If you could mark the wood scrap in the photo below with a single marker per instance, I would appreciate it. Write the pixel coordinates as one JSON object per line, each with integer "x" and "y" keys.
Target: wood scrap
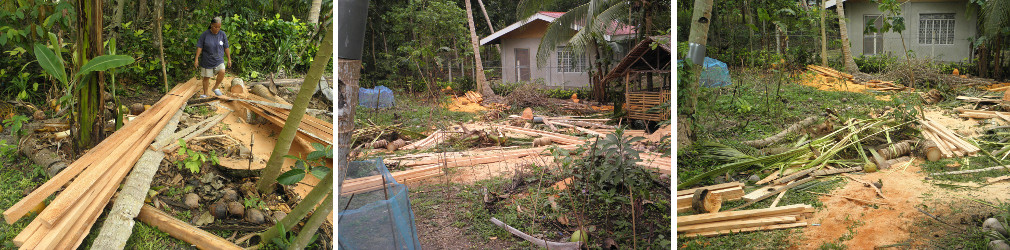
{"x": 835, "y": 171}
{"x": 997, "y": 179}
{"x": 538, "y": 242}
{"x": 777, "y": 199}
{"x": 777, "y": 191}
{"x": 182, "y": 230}
{"x": 737, "y": 224}
{"x": 930, "y": 150}
{"x": 850, "y": 198}
{"x": 172, "y": 146}
{"x": 796, "y": 175}
{"x": 866, "y": 183}
{"x": 895, "y": 150}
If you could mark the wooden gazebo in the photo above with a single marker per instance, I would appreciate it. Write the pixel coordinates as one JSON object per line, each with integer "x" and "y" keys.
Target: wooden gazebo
{"x": 646, "y": 75}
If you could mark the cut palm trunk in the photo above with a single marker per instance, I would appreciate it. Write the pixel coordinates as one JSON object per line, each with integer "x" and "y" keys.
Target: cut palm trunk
{"x": 706, "y": 202}
{"x": 781, "y": 135}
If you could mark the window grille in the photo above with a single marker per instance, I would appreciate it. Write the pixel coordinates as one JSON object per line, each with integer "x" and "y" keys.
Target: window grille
{"x": 569, "y": 62}
{"x": 936, "y": 28}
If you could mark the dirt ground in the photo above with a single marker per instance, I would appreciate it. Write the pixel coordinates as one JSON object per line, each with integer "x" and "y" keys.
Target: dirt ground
{"x": 436, "y": 230}
{"x": 905, "y": 188}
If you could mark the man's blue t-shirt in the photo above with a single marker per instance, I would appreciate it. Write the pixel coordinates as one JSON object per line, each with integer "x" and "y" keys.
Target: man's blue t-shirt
{"x": 213, "y": 48}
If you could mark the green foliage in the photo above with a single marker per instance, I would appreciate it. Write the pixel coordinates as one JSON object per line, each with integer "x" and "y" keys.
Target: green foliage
{"x": 285, "y": 238}
{"x": 15, "y": 123}
{"x": 193, "y": 159}
{"x": 874, "y": 63}
{"x": 314, "y": 163}
{"x": 254, "y": 202}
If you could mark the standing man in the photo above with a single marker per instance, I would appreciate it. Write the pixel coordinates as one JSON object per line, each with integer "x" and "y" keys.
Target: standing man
{"x": 210, "y": 50}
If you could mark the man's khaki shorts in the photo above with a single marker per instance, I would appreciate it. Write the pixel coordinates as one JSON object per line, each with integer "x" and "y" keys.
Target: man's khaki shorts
{"x": 211, "y": 72}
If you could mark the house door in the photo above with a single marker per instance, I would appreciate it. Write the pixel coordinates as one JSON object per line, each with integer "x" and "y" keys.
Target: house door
{"x": 873, "y": 42}
{"x": 522, "y": 64}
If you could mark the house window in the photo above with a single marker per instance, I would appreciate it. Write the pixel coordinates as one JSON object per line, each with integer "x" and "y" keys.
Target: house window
{"x": 936, "y": 28}
{"x": 873, "y": 43}
{"x": 569, "y": 61}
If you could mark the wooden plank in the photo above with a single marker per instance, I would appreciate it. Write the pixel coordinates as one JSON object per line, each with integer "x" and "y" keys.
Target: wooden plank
{"x": 940, "y": 144}
{"x": 183, "y": 231}
{"x": 736, "y": 224}
{"x": 172, "y": 146}
{"x": 749, "y": 229}
{"x": 743, "y": 214}
{"x": 762, "y": 191}
{"x": 946, "y": 133}
{"x": 174, "y": 138}
{"x": 22, "y": 207}
{"x": 710, "y": 188}
{"x": 728, "y": 194}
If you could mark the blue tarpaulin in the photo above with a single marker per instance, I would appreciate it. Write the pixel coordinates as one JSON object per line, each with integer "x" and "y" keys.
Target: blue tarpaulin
{"x": 714, "y": 74}
{"x": 379, "y": 97}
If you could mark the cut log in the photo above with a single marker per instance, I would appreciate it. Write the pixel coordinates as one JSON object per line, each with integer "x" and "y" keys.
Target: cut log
{"x": 895, "y": 150}
{"x": 706, "y": 202}
{"x": 778, "y": 137}
{"x": 183, "y": 231}
{"x": 929, "y": 149}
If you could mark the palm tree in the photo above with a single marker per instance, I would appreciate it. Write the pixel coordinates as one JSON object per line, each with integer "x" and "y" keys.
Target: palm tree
{"x": 88, "y": 117}
{"x": 482, "y": 85}
{"x": 595, "y": 18}
{"x": 850, "y": 64}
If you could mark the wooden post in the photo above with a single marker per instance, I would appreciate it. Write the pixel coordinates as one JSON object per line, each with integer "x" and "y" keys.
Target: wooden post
{"x": 183, "y": 231}
{"x": 347, "y": 88}
{"x": 824, "y": 35}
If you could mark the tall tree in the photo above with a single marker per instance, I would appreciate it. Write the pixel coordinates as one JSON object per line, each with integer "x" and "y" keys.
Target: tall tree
{"x": 850, "y": 64}
{"x": 287, "y": 135}
{"x": 88, "y": 118}
{"x": 314, "y": 11}
{"x": 117, "y": 19}
{"x": 824, "y": 35}
{"x": 700, "y": 19}
{"x": 159, "y": 10}
{"x": 482, "y": 84}
{"x": 142, "y": 10}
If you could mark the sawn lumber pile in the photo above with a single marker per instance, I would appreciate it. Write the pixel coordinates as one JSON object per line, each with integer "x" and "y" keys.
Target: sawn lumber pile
{"x": 310, "y": 130}
{"x": 65, "y": 222}
{"x": 829, "y": 72}
{"x": 729, "y": 191}
{"x": 743, "y": 221}
{"x": 947, "y": 141}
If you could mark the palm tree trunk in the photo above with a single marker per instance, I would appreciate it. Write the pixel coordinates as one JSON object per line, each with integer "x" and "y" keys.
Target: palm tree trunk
{"x": 312, "y": 225}
{"x": 482, "y": 84}
{"x": 142, "y": 11}
{"x": 699, "y": 35}
{"x": 270, "y": 172}
{"x": 850, "y": 64}
{"x": 89, "y": 96}
{"x": 317, "y": 194}
{"x": 824, "y": 37}
{"x": 489, "y": 26}
{"x": 117, "y": 18}
{"x": 314, "y": 11}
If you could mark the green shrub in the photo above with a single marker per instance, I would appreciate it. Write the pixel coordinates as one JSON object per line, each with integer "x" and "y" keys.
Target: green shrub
{"x": 874, "y": 63}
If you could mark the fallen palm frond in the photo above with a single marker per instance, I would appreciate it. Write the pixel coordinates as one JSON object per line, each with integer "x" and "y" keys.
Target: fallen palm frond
{"x": 807, "y": 155}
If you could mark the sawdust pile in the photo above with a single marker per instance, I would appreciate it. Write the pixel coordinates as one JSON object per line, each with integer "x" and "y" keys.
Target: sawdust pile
{"x": 461, "y": 104}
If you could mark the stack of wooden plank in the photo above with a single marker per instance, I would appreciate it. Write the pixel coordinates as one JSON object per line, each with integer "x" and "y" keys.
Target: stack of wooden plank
{"x": 829, "y": 72}
{"x": 655, "y": 162}
{"x": 743, "y": 221}
{"x": 947, "y": 141}
{"x": 883, "y": 85}
{"x": 474, "y": 97}
{"x": 982, "y": 114}
{"x": 96, "y": 176}
{"x": 729, "y": 191}
{"x": 310, "y": 130}
{"x": 555, "y": 137}
{"x": 431, "y": 167}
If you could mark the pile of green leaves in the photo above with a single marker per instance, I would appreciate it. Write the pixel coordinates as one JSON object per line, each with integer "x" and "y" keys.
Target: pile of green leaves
{"x": 194, "y": 159}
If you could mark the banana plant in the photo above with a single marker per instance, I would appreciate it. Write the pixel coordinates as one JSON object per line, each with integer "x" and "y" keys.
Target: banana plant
{"x": 54, "y": 66}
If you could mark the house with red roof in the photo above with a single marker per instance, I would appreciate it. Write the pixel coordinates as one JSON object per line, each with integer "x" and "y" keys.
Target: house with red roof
{"x": 564, "y": 69}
